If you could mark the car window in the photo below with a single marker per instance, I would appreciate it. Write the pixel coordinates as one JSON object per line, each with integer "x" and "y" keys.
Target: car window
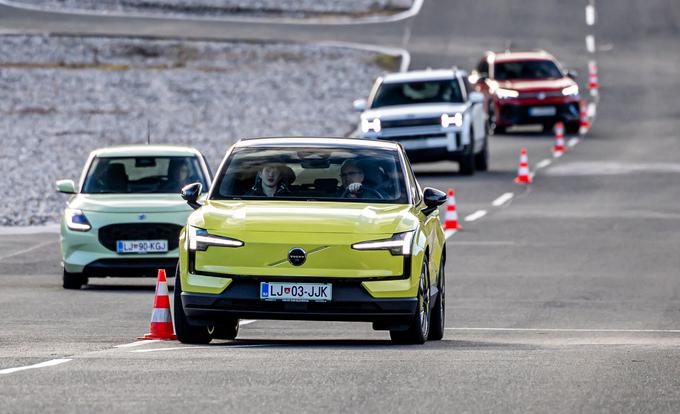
{"x": 409, "y": 93}
{"x": 320, "y": 174}
{"x": 142, "y": 174}
{"x": 528, "y": 69}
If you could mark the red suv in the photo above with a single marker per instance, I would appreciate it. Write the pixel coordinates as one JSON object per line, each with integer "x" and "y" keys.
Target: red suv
{"x": 525, "y": 88}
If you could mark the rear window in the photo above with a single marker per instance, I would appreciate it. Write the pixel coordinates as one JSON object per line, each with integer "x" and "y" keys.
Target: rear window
{"x": 409, "y": 93}
{"x": 528, "y": 69}
{"x": 315, "y": 174}
{"x": 142, "y": 174}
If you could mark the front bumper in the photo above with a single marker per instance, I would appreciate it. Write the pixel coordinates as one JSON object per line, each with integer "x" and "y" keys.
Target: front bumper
{"x": 351, "y": 302}
{"x": 517, "y": 112}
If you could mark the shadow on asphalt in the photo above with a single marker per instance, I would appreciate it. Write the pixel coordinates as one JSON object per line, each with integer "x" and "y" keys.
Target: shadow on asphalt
{"x": 368, "y": 343}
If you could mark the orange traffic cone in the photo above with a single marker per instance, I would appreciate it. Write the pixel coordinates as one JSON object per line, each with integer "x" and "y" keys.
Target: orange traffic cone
{"x": 585, "y": 123}
{"x": 161, "y": 321}
{"x": 523, "y": 176}
{"x": 559, "y": 147}
{"x": 451, "y": 218}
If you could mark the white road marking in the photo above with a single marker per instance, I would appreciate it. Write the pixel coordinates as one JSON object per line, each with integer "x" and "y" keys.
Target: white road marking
{"x": 476, "y": 215}
{"x": 246, "y": 321}
{"x": 14, "y": 230}
{"x": 565, "y": 330}
{"x": 558, "y": 154}
{"x": 502, "y": 199}
{"x": 543, "y": 163}
{"x": 30, "y": 249}
{"x": 449, "y": 233}
{"x": 137, "y": 343}
{"x": 590, "y": 43}
{"x": 590, "y": 15}
{"x": 45, "y": 364}
{"x": 216, "y": 347}
{"x": 572, "y": 142}
{"x": 581, "y": 168}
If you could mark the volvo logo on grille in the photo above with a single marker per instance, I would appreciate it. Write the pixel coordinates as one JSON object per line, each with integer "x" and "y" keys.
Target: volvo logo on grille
{"x": 297, "y": 256}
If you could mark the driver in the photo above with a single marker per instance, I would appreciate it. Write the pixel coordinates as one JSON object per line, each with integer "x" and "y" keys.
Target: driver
{"x": 269, "y": 181}
{"x": 178, "y": 175}
{"x": 352, "y": 175}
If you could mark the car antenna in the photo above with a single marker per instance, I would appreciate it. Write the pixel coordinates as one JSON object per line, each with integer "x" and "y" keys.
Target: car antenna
{"x": 148, "y": 132}
{"x": 508, "y": 46}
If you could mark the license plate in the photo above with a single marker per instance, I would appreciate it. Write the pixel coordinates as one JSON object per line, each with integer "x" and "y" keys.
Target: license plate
{"x": 142, "y": 246}
{"x": 296, "y": 292}
{"x": 542, "y": 111}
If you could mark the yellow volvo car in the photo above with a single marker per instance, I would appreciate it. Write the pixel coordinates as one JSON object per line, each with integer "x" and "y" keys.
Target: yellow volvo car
{"x": 312, "y": 229}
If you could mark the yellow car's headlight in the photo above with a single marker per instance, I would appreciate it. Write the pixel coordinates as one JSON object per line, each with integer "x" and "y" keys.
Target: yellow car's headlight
{"x": 398, "y": 245}
{"x": 199, "y": 240}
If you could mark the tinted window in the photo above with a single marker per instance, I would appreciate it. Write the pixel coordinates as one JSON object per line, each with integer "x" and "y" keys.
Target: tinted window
{"x": 528, "y": 69}
{"x": 483, "y": 67}
{"x": 142, "y": 174}
{"x": 390, "y": 94}
{"x": 323, "y": 174}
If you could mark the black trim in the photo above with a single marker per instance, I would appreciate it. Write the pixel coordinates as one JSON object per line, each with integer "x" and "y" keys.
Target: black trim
{"x": 351, "y": 302}
{"x": 405, "y": 274}
{"x": 129, "y": 267}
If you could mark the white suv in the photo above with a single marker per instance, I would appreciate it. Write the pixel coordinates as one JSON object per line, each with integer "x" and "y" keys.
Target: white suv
{"x": 434, "y": 114}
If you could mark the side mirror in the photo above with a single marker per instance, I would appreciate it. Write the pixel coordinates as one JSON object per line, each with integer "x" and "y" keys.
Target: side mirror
{"x": 360, "y": 105}
{"x": 190, "y": 193}
{"x": 66, "y": 186}
{"x": 476, "y": 97}
{"x": 572, "y": 74}
{"x": 433, "y": 198}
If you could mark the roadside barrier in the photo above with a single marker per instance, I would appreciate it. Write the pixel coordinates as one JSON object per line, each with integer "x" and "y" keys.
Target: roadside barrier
{"x": 585, "y": 122}
{"x": 161, "y": 320}
{"x": 593, "y": 82}
{"x": 559, "y": 147}
{"x": 451, "y": 218}
{"x": 523, "y": 176}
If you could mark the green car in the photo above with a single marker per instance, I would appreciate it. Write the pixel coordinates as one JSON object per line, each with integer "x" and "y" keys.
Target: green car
{"x": 312, "y": 229}
{"x": 125, "y": 216}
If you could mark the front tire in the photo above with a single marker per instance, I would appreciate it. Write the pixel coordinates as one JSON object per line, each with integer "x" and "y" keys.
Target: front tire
{"x": 74, "y": 280}
{"x": 438, "y": 318}
{"x": 419, "y": 329}
{"x": 482, "y": 159}
{"x": 466, "y": 166}
{"x": 187, "y": 334}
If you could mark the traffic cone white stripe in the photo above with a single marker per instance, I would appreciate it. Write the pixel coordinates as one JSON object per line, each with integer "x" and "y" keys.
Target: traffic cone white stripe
{"x": 162, "y": 288}
{"x": 161, "y": 315}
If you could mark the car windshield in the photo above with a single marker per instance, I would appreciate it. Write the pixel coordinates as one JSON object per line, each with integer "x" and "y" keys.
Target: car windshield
{"x": 409, "y": 93}
{"x": 317, "y": 174}
{"x": 142, "y": 174}
{"x": 527, "y": 69}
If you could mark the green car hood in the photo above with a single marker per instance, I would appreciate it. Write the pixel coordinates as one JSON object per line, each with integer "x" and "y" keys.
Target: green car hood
{"x": 230, "y": 216}
{"x": 130, "y": 203}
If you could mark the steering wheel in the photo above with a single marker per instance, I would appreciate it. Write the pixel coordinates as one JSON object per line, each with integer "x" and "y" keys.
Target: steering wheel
{"x": 345, "y": 194}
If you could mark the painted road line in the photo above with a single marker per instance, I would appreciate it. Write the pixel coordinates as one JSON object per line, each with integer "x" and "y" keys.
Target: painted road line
{"x": 20, "y": 230}
{"x": 590, "y": 43}
{"x": 675, "y": 331}
{"x": 246, "y": 321}
{"x": 30, "y": 249}
{"x": 449, "y": 233}
{"x": 216, "y": 347}
{"x": 137, "y": 343}
{"x": 45, "y": 364}
{"x": 591, "y": 17}
{"x": 558, "y": 154}
{"x": 572, "y": 142}
{"x": 543, "y": 163}
{"x": 502, "y": 199}
{"x": 476, "y": 215}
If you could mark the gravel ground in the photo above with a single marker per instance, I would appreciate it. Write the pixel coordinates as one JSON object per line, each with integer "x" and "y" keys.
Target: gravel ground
{"x": 65, "y": 96}
{"x": 288, "y": 8}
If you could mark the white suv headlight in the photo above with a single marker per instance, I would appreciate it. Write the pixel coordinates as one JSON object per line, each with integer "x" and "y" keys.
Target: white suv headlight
{"x": 368, "y": 126}
{"x": 200, "y": 240}
{"x": 398, "y": 245}
{"x": 449, "y": 120}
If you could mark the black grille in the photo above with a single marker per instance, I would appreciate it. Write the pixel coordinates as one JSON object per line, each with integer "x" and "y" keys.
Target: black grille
{"x": 399, "y": 123}
{"x": 109, "y": 235}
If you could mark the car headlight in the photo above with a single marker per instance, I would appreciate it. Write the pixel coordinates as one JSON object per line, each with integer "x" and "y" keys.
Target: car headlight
{"x": 398, "y": 245}
{"x": 200, "y": 240}
{"x": 570, "y": 90}
{"x": 368, "y": 126}
{"x": 76, "y": 220}
{"x": 455, "y": 120}
{"x": 506, "y": 93}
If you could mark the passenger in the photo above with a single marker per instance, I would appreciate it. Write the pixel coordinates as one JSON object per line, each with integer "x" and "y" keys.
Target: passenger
{"x": 270, "y": 181}
{"x": 178, "y": 175}
{"x": 352, "y": 175}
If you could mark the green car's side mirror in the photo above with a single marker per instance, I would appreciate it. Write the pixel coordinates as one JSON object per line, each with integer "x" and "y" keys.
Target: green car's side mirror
{"x": 433, "y": 198}
{"x": 66, "y": 186}
{"x": 191, "y": 193}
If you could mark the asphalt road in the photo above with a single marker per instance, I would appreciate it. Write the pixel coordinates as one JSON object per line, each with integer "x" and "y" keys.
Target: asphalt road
{"x": 565, "y": 299}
